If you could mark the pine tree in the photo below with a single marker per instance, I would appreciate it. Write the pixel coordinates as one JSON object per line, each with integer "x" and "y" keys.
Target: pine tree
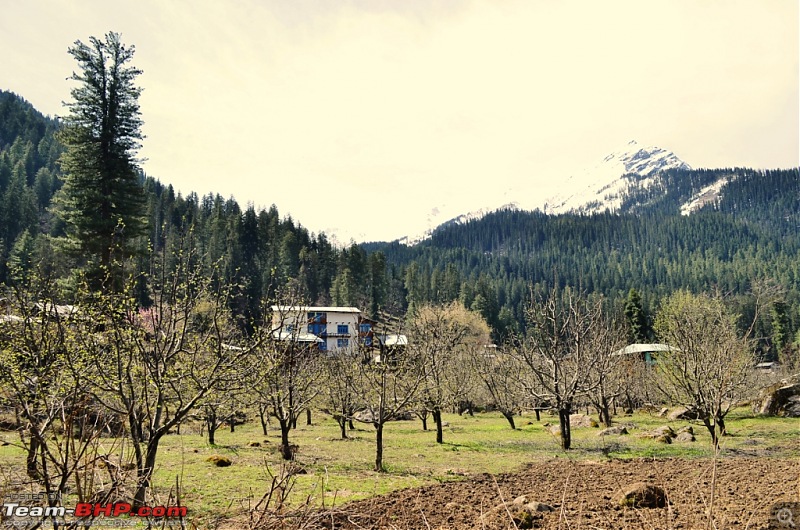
{"x": 102, "y": 200}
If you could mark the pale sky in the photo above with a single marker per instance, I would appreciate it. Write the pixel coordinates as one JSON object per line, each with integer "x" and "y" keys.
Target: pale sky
{"x": 358, "y": 117}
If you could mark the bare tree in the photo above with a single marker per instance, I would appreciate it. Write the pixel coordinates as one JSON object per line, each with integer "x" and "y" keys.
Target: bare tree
{"x": 155, "y": 366}
{"x": 340, "y": 394}
{"x": 710, "y": 366}
{"x": 607, "y": 377}
{"x": 499, "y": 373}
{"x": 388, "y": 383}
{"x": 443, "y": 338}
{"x": 560, "y": 351}
{"x": 59, "y": 424}
{"x": 286, "y": 374}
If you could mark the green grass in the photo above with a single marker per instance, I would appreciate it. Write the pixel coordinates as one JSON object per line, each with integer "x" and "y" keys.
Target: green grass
{"x": 338, "y": 470}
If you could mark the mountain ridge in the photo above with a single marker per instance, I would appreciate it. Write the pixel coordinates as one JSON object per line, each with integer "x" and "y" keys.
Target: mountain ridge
{"x": 592, "y": 190}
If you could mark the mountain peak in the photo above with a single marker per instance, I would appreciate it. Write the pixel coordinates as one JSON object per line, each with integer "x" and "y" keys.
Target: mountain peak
{"x": 601, "y": 187}
{"x": 594, "y": 189}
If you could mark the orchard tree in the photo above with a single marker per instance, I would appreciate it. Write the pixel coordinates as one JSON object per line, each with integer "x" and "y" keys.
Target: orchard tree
{"x": 444, "y": 338}
{"x": 710, "y": 366}
{"x": 155, "y": 366}
{"x": 568, "y": 339}
{"x": 286, "y": 375}
{"x": 102, "y": 199}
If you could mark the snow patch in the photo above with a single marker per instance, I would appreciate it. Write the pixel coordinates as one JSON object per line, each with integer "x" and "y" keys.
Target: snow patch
{"x": 707, "y": 195}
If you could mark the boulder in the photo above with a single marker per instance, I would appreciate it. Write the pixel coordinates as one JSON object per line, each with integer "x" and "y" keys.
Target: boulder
{"x": 581, "y": 420}
{"x": 664, "y": 430}
{"x": 642, "y": 495}
{"x": 683, "y": 413}
{"x": 685, "y": 436}
{"x": 781, "y": 399}
{"x": 618, "y": 429}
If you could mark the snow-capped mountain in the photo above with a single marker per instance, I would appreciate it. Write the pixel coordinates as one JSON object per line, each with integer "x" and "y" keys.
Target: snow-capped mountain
{"x": 596, "y": 189}
{"x": 602, "y": 187}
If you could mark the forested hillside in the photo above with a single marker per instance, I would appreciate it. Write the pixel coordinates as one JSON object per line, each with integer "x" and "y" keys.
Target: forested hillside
{"x": 490, "y": 265}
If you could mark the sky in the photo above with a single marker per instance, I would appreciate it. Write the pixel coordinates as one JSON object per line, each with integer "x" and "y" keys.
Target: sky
{"x": 360, "y": 117}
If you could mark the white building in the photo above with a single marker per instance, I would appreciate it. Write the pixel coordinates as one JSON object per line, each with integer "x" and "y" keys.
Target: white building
{"x": 337, "y": 327}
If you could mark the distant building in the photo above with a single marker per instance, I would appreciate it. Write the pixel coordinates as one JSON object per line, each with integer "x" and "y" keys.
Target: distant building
{"x": 336, "y": 327}
{"x": 645, "y": 352}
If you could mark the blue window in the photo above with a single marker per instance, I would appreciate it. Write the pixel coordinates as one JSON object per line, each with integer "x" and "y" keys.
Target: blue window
{"x": 323, "y": 346}
{"x": 317, "y": 318}
{"x": 364, "y": 327}
{"x": 367, "y": 341}
{"x": 342, "y": 343}
{"x": 342, "y": 329}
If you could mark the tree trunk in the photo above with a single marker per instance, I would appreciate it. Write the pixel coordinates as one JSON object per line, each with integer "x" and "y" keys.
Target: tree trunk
{"x": 720, "y": 421}
{"x": 342, "y": 421}
{"x": 32, "y": 458}
{"x": 563, "y": 421}
{"x": 604, "y": 411}
{"x": 379, "y": 447}
{"x": 286, "y": 449}
{"x": 264, "y": 417}
{"x": 423, "y": 416}
{"x": 510, "y": 417}
{"x": 145, "y": 473}
{"x": 212, "y": 430}
{"x": 232, "y": 422}
{"x": 437, "y": 418}
{"x": 712, "y": 430}
{"x": 308, "y": 416}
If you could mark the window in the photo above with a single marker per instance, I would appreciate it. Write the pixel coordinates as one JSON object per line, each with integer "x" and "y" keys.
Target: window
{"x": 367, "y": 341}
{"x": 342, "y": 329}
{"x": 317, "y": 318}
{"x": 323, "y": 346}
{"x": 365, "y": 327}
{"x": 342, "y": 343}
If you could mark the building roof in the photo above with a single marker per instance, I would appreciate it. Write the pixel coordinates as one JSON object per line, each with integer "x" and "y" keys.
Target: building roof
{"x": 284, "y": 335}
{"x": 644, "y": 348}
{"x": 394, "y": 340}
{"x": 315, "y": 309}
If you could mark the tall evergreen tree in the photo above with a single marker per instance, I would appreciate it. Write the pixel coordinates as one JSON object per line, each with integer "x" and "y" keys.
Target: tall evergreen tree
{"x": 639, "y": 329}
{"x": 102, "y": 201}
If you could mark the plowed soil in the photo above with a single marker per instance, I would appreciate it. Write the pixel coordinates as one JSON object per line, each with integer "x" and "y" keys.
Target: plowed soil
{"x": 582, "y": 495}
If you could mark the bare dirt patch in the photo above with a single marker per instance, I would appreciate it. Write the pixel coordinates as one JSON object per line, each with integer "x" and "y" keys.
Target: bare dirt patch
{"x": 583, "y": 497}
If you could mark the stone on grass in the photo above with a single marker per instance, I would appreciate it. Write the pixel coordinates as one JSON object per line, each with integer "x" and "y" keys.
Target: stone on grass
{"x": 618, "y": 429}
{"x": 684, "y": 436}
{"x": 683, "y": 413}
{"x": 781, "y": 399}
{"x": 219, "y": 460}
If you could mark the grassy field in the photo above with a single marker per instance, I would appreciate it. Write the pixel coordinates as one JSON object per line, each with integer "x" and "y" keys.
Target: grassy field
{"x": 337, "y": 471}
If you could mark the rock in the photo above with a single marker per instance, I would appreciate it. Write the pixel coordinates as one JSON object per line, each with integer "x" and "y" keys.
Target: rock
{"x": 684, "y": 436}
{"x": 619, "y": 429}
{"x": 663, "y": 439}
{"x": 642, "y": 495}
{"x": 781, "y": 399}
{"x": 663, "y": 412}
{"x": 683, "y": 413}
{"x": 581, "y": 420}
{"x": 254, "y": 444}
{"x": 685, "y": 428}
{"x": 660, "y": 432}
{"x": 219, "y": 460}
